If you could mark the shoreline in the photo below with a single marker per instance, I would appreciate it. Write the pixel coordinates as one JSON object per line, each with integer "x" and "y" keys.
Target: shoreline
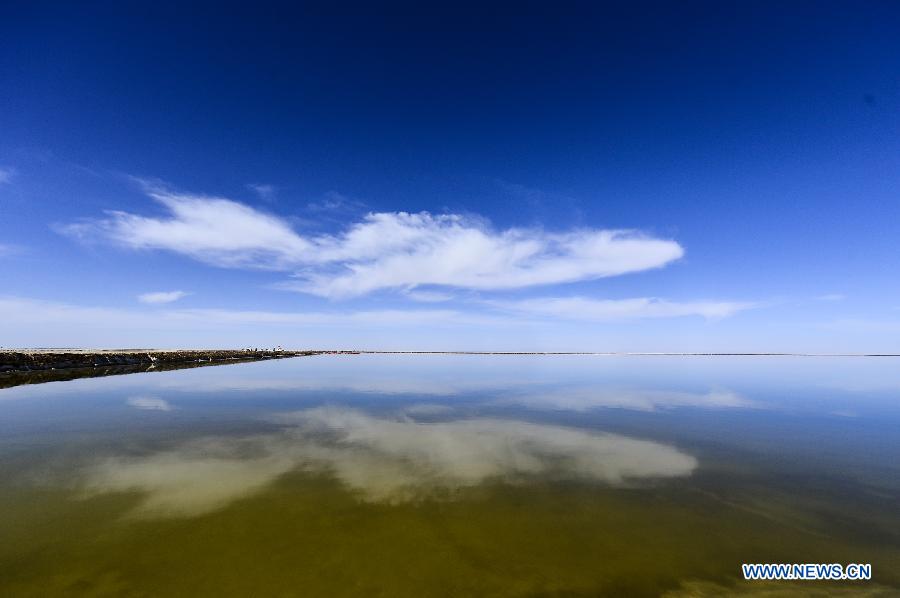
{"x": 20, "y": 367}
{"x": 43, "y": 360}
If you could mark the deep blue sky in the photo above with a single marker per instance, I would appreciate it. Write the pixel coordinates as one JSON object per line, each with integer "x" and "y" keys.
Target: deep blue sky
{"x": 762, "y": 138}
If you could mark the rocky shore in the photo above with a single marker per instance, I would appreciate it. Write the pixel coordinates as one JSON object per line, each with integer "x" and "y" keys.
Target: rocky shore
{"x": 12, "y": 361}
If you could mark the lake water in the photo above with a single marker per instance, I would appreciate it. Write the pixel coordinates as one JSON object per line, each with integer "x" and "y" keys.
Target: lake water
{"x": 439, "y": 475}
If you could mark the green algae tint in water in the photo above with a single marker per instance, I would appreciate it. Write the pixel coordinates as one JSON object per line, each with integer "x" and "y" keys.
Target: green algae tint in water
{"x": 439, "y": 475}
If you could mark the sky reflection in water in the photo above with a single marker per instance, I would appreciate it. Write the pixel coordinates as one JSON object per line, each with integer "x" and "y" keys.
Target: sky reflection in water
{"x": 613, "y": 462}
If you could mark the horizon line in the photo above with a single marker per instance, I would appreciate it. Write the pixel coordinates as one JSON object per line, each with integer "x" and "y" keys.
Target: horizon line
{"x": 465, "y": 352}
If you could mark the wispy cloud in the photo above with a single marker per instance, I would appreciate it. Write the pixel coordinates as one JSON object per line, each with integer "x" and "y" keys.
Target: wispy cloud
{"x": 25, "y": 310}
{"x": 265, "y": 191}
{"x": 7, "y": 250}
{"x": 54, "y": 318}
{"x": 384, "y": 317}
{"x": 831, "y": 297}
{"x": 581, "y": 308}
{"x": 31, "y": 322}
{"x": 162, "y": 297}
{"x": 6, "y": 174}
{"x": 214, "y": 230}
{"x": 429, "y": 296}
{"x": 334, "y": 202}
{"x": 389, "y": 250}
{"x": 529, "y": 195}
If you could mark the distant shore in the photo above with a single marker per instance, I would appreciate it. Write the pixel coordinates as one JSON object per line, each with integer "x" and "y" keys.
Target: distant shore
{"x": 41, "y": 359}
{"x": 35, "y": 366}
{"x": 38, "y": 360}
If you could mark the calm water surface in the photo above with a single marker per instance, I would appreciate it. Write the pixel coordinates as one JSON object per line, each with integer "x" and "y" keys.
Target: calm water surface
{"x": 379, "y": 475}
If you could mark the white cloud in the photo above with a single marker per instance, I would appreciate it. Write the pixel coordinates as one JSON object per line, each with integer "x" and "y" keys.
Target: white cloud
{"x": 396, "y": 250}
{"x": 264, "y": 191}
{"x": 581, "y": 308}
{"x": 162, "y": 296}
{"x": 214, "y": 230}
{"x": 6, "y": 174}
{"x": 429, "y": 296}
{"x": 149, "y": 403}
{"x": 406, "y": 250}
{"x": 381, "y": 460}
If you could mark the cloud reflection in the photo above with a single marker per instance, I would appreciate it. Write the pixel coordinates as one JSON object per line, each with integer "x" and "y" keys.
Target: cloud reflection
{"x": 380, "y": 460}
{"x": 508, "y": 392}
{"x": 583, "y": 398}
{"x": 149, "y": 403}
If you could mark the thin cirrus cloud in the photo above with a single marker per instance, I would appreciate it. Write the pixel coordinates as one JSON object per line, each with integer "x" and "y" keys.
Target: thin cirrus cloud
{"x": 162, "y": 297}
{"x": 9, "y": 250}
{"x": 23, "y": 310}
{"x": 67, "y": 323}
{"x": 6, "y": 174}
{"x": 581, "y": 308}
{"x": 263, "y": 190}
{"x": 388, "y": 250}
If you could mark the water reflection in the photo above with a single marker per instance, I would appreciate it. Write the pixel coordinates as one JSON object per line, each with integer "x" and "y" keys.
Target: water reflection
{"x": 576, "y": 383}
{"x": 417, "y": 475}
{"x": 149, "y": 403}
{"x": 583, "y": 398}
{"x": 379, "y": 459}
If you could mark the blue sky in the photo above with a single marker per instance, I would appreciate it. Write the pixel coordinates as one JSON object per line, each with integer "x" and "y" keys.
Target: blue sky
{"x": 662, "y": 177}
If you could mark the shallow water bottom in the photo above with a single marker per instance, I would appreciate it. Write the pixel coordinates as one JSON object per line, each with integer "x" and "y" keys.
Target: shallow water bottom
{"x": 306, "y": 535}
